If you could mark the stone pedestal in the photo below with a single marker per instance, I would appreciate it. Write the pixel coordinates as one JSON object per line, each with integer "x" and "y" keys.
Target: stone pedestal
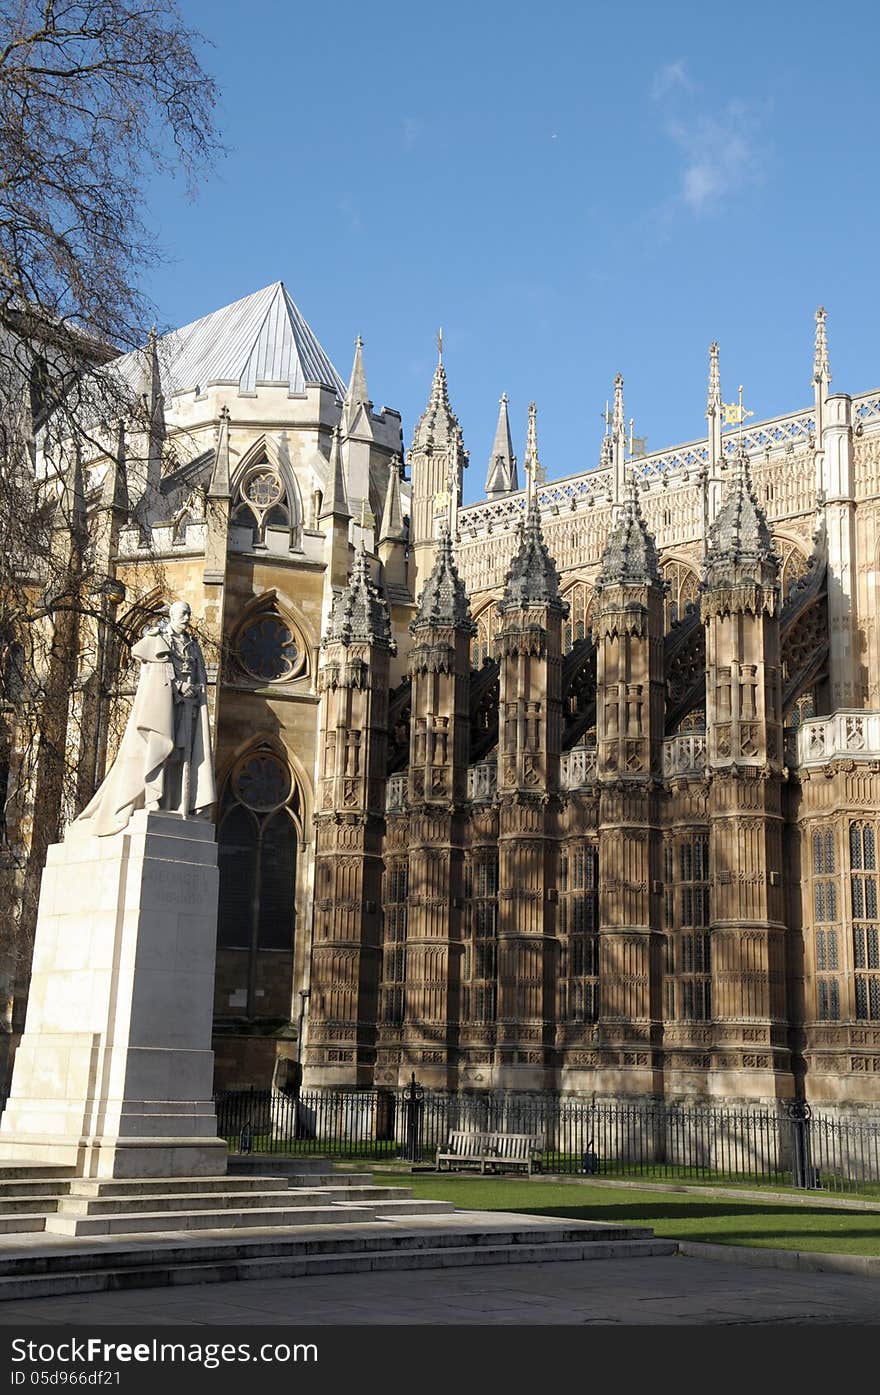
{"x": 114, "y": 1073}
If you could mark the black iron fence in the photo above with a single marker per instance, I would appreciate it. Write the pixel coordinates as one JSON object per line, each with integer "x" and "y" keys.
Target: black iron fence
{"x": 781, "y": 1146}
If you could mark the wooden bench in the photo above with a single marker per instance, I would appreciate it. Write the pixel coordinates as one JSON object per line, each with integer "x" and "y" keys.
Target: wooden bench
{"x": 497, "y": 1151}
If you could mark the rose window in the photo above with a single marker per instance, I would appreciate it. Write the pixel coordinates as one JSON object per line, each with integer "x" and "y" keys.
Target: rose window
{"x": 267, "y": 649}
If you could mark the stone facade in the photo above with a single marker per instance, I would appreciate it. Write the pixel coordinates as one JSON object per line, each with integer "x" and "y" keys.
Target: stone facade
{"x": 577, "y": 787}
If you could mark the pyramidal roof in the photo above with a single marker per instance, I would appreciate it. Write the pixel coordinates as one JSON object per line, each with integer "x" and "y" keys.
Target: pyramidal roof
{"x": 360, "y": 612}
{"x": 444, "y": 600}
{"x": 739, "y": 532}
{"x": 532, "y": 578}
{"x": 630, "y": 553}
{"x": 262, "y": 338}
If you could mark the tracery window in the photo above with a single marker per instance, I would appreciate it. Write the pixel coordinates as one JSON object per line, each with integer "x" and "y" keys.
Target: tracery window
{"x": 395, "y": 899}
{"x": 866, "y": 931}
{"x": 579, "y": 926}
{"x": 687, "y": 915}
{"x": 257, "y": 836}
{"x": 262, "y": 503}
{"x": 268, "y": 649}
{"x": 577, "y": 626}
{"x": 487, "y": 628}
{"x": 683, "y": 594}
{"x": 481, "y": 926}
{"x": 795, "y": 566}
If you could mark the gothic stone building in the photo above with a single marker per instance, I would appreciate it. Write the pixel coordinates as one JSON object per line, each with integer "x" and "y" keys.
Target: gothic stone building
{"x": 573, "y": 788}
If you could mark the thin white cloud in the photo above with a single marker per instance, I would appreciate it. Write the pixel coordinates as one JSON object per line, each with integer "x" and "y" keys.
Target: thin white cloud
{"x": 721, "y": 155}
{"x": 669, "y": 77}
{"x": 721, "y": 149}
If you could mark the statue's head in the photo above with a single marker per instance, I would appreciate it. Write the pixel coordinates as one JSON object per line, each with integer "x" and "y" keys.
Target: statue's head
{"x": 179, "y": 616}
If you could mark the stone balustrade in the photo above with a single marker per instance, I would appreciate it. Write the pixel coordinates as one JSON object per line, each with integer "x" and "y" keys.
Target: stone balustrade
{"x": 578, "y": 767}
{"x": 482, "y": 781}
{"x": 854, "y": 735}
{"x": 395, "y": 793}
{"x": 684, "y": 755}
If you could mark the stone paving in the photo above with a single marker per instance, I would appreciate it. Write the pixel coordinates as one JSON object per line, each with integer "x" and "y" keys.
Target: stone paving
{"x": 653, "y": 1291}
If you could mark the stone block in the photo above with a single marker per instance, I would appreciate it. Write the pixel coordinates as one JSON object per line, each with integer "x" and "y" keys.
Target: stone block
{"x": 114, "y": 1073}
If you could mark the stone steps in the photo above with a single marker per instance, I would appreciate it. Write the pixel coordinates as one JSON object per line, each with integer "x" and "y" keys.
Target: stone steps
{"x": 29, "y": 1205}
{"x": 173, "y": 1186}
{"x": 157, "y": 1222}
{"x": 29, "y": 1187}
{"x": 158, "y": 1263}
{"x": 171, "y": 1201}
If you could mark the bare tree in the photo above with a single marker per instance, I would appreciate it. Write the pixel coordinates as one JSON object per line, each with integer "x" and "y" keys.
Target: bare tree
{"x": 96, "y": 97}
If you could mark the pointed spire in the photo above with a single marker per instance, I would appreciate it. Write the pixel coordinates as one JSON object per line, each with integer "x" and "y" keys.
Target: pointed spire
{"x": 392, "y": 528}
{"x": 630, "y": 554}
{"x": 606, "y": 454}
{"x": 618, "y": 420}
{"x": 821, "y": 362}
{"x": 219, "y": 486}
{"x": 618, "y": 443}
{"x": 149, "y": 386}
{"x": 73, "y": 497}
{"x": 335, "y": 501}
{"x": 438, "y": 424}
{"x": 444, "y": 600}
{"x": 501, "y": 475}
{"x": 532, "y": 578}
{"x": 360, "y": 612}
{"x": 114, "y": 490}
{"x": 739, "y": 532}
{"x": 713, "y": 399}
{"x": 356, "y": 395}
{"x": 531, "y": 463}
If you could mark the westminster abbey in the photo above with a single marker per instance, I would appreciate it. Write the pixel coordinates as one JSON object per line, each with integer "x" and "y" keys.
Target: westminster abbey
{"x": 575, "y": 788}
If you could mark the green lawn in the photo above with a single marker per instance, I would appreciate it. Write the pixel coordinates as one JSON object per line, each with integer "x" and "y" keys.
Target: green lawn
{"x": 676, "y": 1214}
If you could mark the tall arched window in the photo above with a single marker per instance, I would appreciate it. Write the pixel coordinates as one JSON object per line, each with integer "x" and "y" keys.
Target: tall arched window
{"x": 262, "y": 503}
{"x": 257, "y": 835}
{"x": 487, "y": 628}
{"x": 683, "y": 594}
{"x": 577, "y": 626}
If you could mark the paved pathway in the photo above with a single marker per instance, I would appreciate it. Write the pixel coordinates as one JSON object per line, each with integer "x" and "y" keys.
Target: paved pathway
{"x": 657, "y": 1291}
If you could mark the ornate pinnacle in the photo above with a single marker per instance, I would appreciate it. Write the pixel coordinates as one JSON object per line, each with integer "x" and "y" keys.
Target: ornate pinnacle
{"x": 360, "y": 613}
{"x": 618, "y": 420}
{"x": 821, "y": 362}
{"x": 630, "y": 554}
{"x": 531, "y": 463}
{"x": 444, "y": 600}
{"x": 713, "y": 401}
{"x": 740, "y": 531}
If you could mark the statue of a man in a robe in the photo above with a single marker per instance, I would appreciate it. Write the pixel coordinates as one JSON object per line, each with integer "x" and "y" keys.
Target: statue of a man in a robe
{"x": 164, "y": 758}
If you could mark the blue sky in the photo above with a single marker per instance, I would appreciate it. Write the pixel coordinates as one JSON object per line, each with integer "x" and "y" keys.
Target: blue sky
{"x": 571, "y": 190}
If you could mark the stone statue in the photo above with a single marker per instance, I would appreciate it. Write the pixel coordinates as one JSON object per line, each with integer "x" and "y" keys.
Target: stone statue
{"x": 164, "y": 758}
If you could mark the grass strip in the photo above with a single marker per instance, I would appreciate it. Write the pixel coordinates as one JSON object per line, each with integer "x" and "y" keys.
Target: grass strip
{"x": 670, "y": 1214}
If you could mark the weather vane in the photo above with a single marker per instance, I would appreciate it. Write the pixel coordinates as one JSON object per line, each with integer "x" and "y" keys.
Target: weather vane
{"x": 735, "y": 413}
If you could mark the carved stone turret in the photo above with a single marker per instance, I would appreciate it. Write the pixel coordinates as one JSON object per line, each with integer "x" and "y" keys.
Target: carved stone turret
{"x": 630, "y": 709}
{"x": 529, "y": 652}
{"x": 350, "y": 824}
{"x": 740, "y": 610}
{"x": 439, "y": 666}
